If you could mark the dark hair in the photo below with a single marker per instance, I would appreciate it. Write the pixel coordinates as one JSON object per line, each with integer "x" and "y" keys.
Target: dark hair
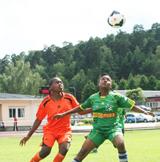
{"x": 52, "y": 80}
{"x": 103, "y": 75}
{"x": 46, "y": 89}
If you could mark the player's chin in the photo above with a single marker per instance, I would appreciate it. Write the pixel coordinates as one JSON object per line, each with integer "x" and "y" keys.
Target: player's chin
{"x": 108, "y": 86}
{"x": 60, "y": 89}
{"x": 105, "y": 87}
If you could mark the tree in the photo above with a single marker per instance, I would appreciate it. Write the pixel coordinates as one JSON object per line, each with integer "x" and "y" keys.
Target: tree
{"x": 3, "y": 63}
{"x": 143, "y": 82}
{"x": 114, "y": 84}
{"x": 131, "y": 82}
{"x": 122, "y": 84}
{"x": 136, "y": 94}
{"x": 156, "y": 62}
{"x": 59, "y": 67}
{"x": 18, "y": 78}
{"x": 88, "y": 89}
{"x": 158, "y": 85}
{"x": 152, "y": 82}
{"x": 78, "y": 81}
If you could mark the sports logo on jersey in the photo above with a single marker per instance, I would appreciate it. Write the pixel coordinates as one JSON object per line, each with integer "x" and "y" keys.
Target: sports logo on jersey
{"x": 108, "y": 107}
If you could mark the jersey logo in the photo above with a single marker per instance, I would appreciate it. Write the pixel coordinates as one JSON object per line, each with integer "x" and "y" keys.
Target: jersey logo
{"x": 108, "y": 107}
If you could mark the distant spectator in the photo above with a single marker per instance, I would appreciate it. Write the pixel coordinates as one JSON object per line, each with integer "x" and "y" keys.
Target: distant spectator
{"x": 2, "y": 127}
{"x": 15, "y": 127}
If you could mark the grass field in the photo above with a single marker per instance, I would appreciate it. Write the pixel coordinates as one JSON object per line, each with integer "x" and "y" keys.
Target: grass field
{"x": 142, "y": 146}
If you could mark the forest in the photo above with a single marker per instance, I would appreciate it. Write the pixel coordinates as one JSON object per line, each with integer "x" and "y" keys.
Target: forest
{"x": 131, "y": 59}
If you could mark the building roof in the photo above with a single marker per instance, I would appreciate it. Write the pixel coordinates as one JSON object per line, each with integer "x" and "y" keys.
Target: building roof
{"x": 146, "y": 93}
{"x": 10, "y": 96}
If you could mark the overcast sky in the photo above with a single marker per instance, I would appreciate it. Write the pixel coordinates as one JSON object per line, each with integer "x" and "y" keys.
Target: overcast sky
{"x": 32, "y": 24}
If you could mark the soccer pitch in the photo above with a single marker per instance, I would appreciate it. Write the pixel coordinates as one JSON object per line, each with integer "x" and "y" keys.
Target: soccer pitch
{"x": 142, "y": 146}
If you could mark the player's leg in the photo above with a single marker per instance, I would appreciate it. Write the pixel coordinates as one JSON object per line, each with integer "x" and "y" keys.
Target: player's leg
{"x": 47, "y": 143}
{"x": 118, "y": 141}
{"x": 95, "y": 150}
{"x": 64, "y": 141}
{"x": 87, "y": 146}
{"x": 63, "y": 149}
{"x": 16, "y": 127}
{"x": 45, "y": 151}
{"x": 93, "y": 140}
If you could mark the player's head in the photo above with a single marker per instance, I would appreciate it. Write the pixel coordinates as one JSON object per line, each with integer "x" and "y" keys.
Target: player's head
{"x": 56, "y": 85}
{"x": 105, "y": 81}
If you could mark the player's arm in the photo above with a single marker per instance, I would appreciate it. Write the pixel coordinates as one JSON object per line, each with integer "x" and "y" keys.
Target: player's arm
{"x": 36, "y": 124}
{"x": 72, "y": 111}
{"x": 137, "y": 109}
{"x": 127, "y": 102}
{"x": 86, "y": 111}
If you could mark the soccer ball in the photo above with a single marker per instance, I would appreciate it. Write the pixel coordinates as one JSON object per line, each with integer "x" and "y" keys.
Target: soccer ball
{"x": 116, "y": 19}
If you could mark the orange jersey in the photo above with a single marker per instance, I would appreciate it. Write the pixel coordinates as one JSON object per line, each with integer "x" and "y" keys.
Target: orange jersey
{"x": 50, "y": 107}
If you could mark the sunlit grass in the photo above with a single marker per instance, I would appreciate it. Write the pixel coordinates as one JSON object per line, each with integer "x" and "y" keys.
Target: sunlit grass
{"x": 142, "y": 146}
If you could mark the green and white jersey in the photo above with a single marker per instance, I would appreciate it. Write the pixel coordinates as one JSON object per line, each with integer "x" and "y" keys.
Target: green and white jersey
{"x": 105, "y": 109}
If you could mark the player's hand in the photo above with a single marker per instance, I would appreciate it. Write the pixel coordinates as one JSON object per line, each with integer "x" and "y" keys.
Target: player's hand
{"x": 23, "y": 141}
{"x": 57, "y": 116}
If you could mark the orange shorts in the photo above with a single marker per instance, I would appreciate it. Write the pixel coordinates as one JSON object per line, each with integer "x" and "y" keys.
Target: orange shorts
{"x": 49, "y": 138}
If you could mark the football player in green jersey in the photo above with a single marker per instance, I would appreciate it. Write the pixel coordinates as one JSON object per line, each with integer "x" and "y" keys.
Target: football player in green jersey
{"x": 105, "y": 106}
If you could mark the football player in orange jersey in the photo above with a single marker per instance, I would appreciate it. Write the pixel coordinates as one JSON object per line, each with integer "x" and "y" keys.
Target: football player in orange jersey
{"x": 56, "y": 129}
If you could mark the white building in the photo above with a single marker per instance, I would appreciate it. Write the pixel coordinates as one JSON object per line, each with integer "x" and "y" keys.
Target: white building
{"x": 23, "y": 107}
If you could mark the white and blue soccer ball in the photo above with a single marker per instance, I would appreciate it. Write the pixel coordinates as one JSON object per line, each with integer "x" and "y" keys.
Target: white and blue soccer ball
{"x": 116, "y": 19}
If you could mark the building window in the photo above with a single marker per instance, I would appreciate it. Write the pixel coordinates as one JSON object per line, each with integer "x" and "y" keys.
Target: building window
{"x": 12, "y": 113}
{"x": 16, "y": 112}
{"x": 152, "y": 104}
{"x": 20, "y": 112}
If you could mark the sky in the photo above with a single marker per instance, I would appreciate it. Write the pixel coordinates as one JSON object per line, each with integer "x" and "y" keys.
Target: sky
{"x": 34, "y": 24}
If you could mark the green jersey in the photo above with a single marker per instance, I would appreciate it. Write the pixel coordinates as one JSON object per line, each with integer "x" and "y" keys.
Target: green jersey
{"x": 106, "y": 109}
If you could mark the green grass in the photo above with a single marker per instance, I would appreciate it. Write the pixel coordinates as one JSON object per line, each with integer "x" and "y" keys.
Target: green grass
{"x": 142, "y": 146}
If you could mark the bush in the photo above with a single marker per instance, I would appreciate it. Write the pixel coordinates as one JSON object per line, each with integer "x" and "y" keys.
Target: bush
{"x": 87, "y": 120}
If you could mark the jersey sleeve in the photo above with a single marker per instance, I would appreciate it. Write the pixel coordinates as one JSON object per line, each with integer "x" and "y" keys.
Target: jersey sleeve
{"x": 86, "y": 104}
{"x": 72, "y": 100}
{"x": 41, "y": 113}
{"x": 75, "y": 103}
{"x": 125, "y": 102}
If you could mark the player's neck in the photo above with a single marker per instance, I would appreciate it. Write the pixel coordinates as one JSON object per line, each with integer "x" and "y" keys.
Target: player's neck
{"x": 104, "y": 92}
{"x": 56, "y": 95}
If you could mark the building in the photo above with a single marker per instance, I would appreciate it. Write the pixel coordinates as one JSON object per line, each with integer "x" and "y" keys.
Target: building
{"x": 23, "y": 107}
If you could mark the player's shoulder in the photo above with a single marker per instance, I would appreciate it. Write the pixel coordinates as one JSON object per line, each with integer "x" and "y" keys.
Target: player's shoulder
{"x": 67, "y": 95}
{"x": 115, "y": 93}
{"x": 46, "y": 100}
{"x": 94, "y": 95}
